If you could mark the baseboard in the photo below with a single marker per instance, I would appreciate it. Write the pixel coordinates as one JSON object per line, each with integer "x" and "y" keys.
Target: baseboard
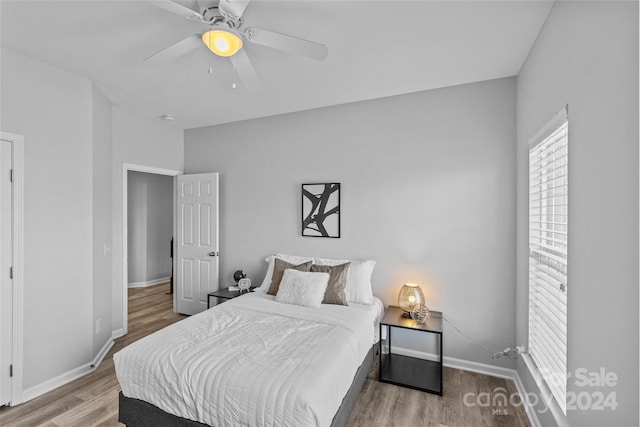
{"x": 67, "y": 377}
{"x": 465, "y": 365}
{"x": 149, "y": 283}
{"x": 480, "y": 368}
{"x": 117, "y": 334}
{"x": 102, "y": 353}
{"x": 544, "y": 392}
{"x": 56, "y": 382}
{"x": 530, "y": 410}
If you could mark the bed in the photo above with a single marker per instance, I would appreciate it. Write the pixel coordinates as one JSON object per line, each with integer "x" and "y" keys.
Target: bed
{"x": 251, "y": 361}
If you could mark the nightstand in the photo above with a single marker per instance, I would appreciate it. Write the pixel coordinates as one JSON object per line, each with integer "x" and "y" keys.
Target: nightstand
{"x": 406, "y": 371}
{"x": 225, "y": 294}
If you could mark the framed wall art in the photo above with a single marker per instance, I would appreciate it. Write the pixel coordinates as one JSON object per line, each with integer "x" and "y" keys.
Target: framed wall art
{"x": 321, "y": 210}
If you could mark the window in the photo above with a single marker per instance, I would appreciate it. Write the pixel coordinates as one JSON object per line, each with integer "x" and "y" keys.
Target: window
{"x": 548, "y": 227}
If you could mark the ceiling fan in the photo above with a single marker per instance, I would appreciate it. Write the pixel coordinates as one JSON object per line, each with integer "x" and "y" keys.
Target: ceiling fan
{"x": 226, "y": 35}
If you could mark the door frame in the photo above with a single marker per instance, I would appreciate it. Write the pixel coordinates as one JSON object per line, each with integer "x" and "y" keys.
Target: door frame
{"x": 126, "y": 167}
{"x": 17, "y": 142}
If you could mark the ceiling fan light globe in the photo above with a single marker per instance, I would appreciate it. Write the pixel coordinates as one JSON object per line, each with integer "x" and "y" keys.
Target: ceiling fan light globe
{"x": 222, "y": 42}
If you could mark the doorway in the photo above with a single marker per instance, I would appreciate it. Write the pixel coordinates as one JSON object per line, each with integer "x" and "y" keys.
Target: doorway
{"x": 150, "y": 221}
{"x": 11, "y": 267}
{"x": 127, "y": 229}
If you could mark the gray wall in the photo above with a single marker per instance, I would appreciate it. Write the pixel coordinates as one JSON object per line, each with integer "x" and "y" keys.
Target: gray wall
{"x": 102, "y": 219}
{"x": 75, "y": 143}
{"x": 140, "y": 141}
{"x": 428, "y": 191}
{"x": 150, "y": 211}
{"x": 586, "y": 56}
{"x": 137, "y": 227}
{"x": 54, "y": 115}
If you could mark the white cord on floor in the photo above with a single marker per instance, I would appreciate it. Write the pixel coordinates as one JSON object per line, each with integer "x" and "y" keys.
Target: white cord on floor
{"x": 512, "y": 353}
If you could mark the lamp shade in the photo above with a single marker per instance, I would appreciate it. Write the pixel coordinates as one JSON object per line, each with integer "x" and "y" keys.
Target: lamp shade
{"x": 222, "y": 41}
{"x": 410, "y": 295}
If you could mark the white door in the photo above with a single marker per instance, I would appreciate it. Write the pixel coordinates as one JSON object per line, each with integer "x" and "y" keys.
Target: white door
{"x": 6, "y": 260}
{"x": 196, "y": 241}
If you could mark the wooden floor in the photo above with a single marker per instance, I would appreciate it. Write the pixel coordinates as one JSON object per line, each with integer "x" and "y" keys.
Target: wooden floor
{"x": 93, "y": 399}
{"x": 385, "y": 405}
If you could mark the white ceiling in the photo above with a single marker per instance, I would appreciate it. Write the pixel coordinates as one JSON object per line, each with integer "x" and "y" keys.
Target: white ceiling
{"x": 376, "y": 49}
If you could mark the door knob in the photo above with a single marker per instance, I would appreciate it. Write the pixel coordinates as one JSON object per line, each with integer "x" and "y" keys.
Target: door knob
{"x": 213, "y": 253}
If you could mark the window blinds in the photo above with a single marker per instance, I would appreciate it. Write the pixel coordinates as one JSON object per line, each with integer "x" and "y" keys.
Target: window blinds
{"x": 548, "y": 226}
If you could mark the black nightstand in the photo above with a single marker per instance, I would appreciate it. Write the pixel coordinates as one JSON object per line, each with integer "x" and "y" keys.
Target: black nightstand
{"x": 225, "y": 294}
{"x": 420, "y": 374}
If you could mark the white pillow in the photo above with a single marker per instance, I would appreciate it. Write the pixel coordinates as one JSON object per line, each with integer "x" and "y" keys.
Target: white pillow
{"x": 358, "y": 278}
{"x": 302, "y": 288}
{"x": 291, "y": 259}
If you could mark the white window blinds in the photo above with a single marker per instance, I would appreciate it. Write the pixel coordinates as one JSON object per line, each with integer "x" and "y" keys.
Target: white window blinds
{"x": 548, "y": 226}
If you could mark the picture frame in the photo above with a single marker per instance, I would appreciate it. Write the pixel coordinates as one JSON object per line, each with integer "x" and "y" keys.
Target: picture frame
{"x": 321, "y": 210}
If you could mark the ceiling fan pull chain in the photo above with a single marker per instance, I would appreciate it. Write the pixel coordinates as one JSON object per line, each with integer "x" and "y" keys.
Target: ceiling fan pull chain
{"x": 233, "y": 78}
{"x": 209, "y": 56}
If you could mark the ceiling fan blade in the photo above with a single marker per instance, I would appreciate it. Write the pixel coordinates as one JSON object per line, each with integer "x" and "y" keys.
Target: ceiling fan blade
{"x": 176, "y": 50}
{"x": 178, "y": 9}
{"x": 233, "y": 8}
{"x": 245, "y": 70}
{"x": 287, "y": 43}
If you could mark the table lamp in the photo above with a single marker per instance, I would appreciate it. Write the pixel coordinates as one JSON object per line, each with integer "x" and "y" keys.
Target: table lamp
{"x": 410, "y": 295}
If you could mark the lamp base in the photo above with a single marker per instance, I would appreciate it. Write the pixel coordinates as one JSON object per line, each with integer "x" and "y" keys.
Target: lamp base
{"x": 406, "y": 314}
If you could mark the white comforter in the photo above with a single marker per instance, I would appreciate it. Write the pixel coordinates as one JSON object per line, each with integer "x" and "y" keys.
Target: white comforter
{"x": 251, "y": 362}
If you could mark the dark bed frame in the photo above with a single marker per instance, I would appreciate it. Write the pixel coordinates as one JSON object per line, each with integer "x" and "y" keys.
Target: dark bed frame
{"x": 138, "y": 413}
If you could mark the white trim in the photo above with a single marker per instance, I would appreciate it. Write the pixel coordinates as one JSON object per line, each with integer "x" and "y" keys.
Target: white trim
{"x": 17, "y": 142}
{"x": 465, "y": 365}
{"x": 547, "y": 397}
{"x": 56, "y": 382}
{"x": 150, "y": 169}
{"x": 102, "y": 353}
{"x": 174, "y": 267}
{"x": 149, "y": 282}
{"x": 126, "y": 167}
{"x": 117, "y": 334}
{"x": 529, "y": 409}
{"x": 549, "y": 127}
{"x": 67, "y": 377}
{"x": 480, "y": 368}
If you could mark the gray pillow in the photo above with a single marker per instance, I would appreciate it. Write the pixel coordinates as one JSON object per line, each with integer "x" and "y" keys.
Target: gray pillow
{"x": 279, "y": 266}
{"x": 336, "y": 292}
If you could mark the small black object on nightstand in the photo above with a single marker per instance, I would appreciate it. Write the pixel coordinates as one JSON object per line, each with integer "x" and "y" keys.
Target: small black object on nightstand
{"x": 406, "y": 371}
{"x": 239, "y": 274}
{"x": 224, "y": 294}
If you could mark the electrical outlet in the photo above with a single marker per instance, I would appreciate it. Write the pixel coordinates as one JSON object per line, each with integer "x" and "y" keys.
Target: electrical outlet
{"x": 97, "y": 326}
{"x": 107, "y": 250}
{"x": 521, "y": 349}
